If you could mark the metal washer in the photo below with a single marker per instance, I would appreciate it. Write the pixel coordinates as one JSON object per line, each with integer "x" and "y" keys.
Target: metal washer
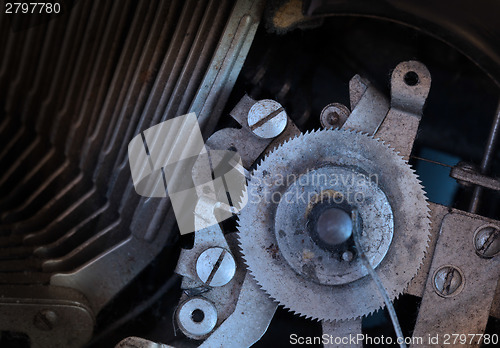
{"x": 187, "y": 323}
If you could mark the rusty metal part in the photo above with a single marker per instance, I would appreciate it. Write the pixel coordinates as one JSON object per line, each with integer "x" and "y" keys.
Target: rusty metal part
{"x": 223, "y": 296}
{"x": 288, "y": 15}
{"x": 239, "y": 301}
{"x": 495, "y": 306}
{"x": 235, "y": 301}
{"x": 258, "y": 236}
{"x": 410, "y": 84}
{"x": 334, "y": 115}
{"x": 239, "y": 294}
{"x": 369, "y": 106}
{"x": 467, "y": 310}
{"x": 243, "y": 140}
{"x": 417, "y": 285}
{"x": 466, "y": 174}
{"x": 357, "y": 88}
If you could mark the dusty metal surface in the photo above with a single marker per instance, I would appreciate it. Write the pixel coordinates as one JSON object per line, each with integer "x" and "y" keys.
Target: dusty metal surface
{"x": 410, "y": 84}
{"x": 334, "y": 115}
{"x": 196, "y": 317}
{"x": 215, "y": 266}
{"x": 369, "y": 106}
{"x": 417, "y": 284}
{"x": 238, "y": 300}
{"x": 465, "y": 307}
{"x": 466, "y": 174}
{"x": 253, "y": 308}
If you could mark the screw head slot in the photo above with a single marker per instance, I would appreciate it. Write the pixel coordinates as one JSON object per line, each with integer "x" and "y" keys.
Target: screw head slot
{"x": 448, "y": 281}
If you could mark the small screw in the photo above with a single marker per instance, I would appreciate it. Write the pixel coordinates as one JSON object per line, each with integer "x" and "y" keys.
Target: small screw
{"x": 215, "y": 266}
{"x": 448, "y": 281}
{"x": 334, "y": 115}
{"x": 347, "y": 256}
{"x": 267, "y": 118}
{"x": 487, "y": 241}
{"x": 45, "y": 319}
{"x": 468, "y": 167}
{"x": 333, "y": 118}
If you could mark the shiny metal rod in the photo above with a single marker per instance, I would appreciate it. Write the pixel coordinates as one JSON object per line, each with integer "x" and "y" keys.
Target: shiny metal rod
{"x": 486, "y": 163}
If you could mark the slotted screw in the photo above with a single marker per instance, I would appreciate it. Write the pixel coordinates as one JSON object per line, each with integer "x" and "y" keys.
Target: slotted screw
{"x": 448, "y": 281}
{"x": 215, "y": 266}
{"x": 487, "y": 241}
{"x": 267, "y": 118}
{"x": 45, "y": 319}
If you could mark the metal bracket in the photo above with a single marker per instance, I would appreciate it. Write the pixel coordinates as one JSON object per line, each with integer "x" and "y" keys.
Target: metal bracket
{"x": 465, "y": 173}
{"x": 460, "y": 283}
{"x": 410, "y": 85}
{"x": 369, "y": 106}
{"x": 55, "y": 313}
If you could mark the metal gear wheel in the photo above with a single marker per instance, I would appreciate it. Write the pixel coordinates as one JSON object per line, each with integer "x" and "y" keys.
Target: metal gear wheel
{"x": 287, "y": 259}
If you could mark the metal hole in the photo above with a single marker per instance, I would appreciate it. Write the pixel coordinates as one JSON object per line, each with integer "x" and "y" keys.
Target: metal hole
{"x": 411, "y": 78}
{"x": 197, "y": 315}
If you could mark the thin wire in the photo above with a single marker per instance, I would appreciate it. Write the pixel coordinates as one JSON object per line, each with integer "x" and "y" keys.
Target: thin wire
{"x": 376, "y": 279}
{"x": 431, "y": 161}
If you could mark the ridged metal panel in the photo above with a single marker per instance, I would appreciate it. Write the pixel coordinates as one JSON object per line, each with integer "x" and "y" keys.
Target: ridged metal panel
{"x": 73, "y": 92}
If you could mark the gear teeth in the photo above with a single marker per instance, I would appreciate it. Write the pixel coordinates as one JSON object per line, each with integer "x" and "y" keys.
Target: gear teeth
{"x": 244, "y": 222}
